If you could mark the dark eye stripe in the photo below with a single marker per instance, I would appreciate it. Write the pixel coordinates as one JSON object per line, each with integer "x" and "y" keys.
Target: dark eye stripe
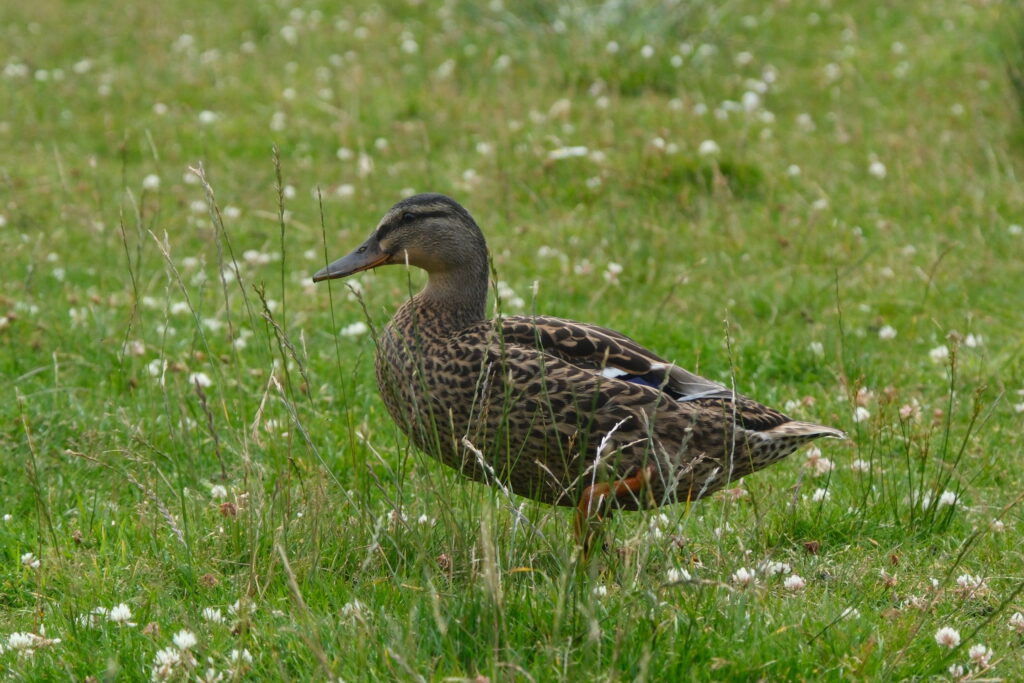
{"x": 402, "y": 220}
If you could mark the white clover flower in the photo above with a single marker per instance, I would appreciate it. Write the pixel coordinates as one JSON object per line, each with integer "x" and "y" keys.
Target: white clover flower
{"x": 353, "y": 610}
{"x": 156, "y": 367}
{"x": 956, "y": 670}
{"x": 750, "y": 100}
{"x": 356, "y": 329}
{"x": 151, "y": 182}
{"x": 612, "y": 47}
{"x": 887, "y": 332}
{"x": 239, "y": 606}
{"x": 200, "y": 378}
{"x": 242, "y": 655}
{"x": 21, "y": 641}
{"x": 860, "y": 465}
{"x": 568, "y": 152}
{"x": 793, "y": 170}
{"x": 211, "y": 675}
{"x": 877, "y": 169}
{"x": 817, "y": 348}
{"x": 861, "y": 414}
{"x": 599, "y": 591}
{"x": 773, "y": 568}
{"x": 980, "y": 655}
{"x": 30, "y": 560}
{"x": 817, "y": 463}
{"x": 646, "y": 51}
{"x": 821, "y": 495}
{"x": 972, "y": 341}
{"x": 206, "y": 117}
{"x": 947, "y": 498}
{"x": 969, "y": 584}
{"x": 120, "y": 614}
{"x": 218, "y": 492}
{"x": 185, "y": 639}
{"x": 709, "y": 148}
{"x": 794, "y": 583}
{"x": 947, "y": 637}
{"x": 164, "y": 662}
{"x": 1015, "y": 229}
{"x": 744, "y": 576}
{"x": 1016, "y": 622}
{"x": 675, "y": 575}
{"x": 612, "y": 271}
{"x": 939, "y": 354}
{"x": 213, "y": 615}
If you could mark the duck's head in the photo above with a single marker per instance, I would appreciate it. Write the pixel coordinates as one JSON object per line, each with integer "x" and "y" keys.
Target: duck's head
{"x": 430, "y": 231}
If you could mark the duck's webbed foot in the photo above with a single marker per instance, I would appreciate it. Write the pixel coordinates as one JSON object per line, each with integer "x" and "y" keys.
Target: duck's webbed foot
{"x": 596, "y": 505}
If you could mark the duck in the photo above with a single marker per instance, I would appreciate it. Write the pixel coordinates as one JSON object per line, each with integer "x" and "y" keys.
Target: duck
{"x": 555, "y": 410}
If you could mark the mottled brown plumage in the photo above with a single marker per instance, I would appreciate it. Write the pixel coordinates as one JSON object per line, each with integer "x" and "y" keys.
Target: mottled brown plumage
{"x": 555, "y": 410}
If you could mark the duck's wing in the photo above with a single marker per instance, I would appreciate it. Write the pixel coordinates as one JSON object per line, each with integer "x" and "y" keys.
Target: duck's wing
{"x": 609, "y": 353}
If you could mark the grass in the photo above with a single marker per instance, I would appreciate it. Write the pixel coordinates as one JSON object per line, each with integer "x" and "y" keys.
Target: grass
{"x": 282, "y": 498}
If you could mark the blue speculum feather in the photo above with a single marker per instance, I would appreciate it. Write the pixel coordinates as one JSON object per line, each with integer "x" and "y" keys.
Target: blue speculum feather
{"x": 646, "y": 380}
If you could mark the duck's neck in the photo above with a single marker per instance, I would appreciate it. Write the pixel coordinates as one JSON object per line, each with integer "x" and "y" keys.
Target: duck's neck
{"x": 452, "y": 299}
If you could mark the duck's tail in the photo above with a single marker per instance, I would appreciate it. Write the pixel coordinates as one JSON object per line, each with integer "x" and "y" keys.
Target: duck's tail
{"x": 805, "y": 431}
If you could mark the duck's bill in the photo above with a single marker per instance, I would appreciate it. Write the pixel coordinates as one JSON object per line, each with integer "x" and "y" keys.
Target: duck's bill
{"x": 368, "y": 255}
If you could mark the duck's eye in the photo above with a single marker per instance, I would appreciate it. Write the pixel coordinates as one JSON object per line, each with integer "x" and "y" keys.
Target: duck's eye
{"x": 408, "y": 216}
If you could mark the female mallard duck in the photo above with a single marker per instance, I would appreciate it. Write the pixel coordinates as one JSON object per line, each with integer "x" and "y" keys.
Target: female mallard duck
{"x": 560, "y": 411}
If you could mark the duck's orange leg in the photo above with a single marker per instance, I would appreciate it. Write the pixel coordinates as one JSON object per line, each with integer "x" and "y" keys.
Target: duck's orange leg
{"x": 590, "y": 513}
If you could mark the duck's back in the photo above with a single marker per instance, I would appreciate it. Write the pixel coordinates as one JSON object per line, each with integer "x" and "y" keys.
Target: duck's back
{"x": 531, "y": 401}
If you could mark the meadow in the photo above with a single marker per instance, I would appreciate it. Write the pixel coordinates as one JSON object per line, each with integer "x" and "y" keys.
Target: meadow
{"x": 817, "y": 202}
